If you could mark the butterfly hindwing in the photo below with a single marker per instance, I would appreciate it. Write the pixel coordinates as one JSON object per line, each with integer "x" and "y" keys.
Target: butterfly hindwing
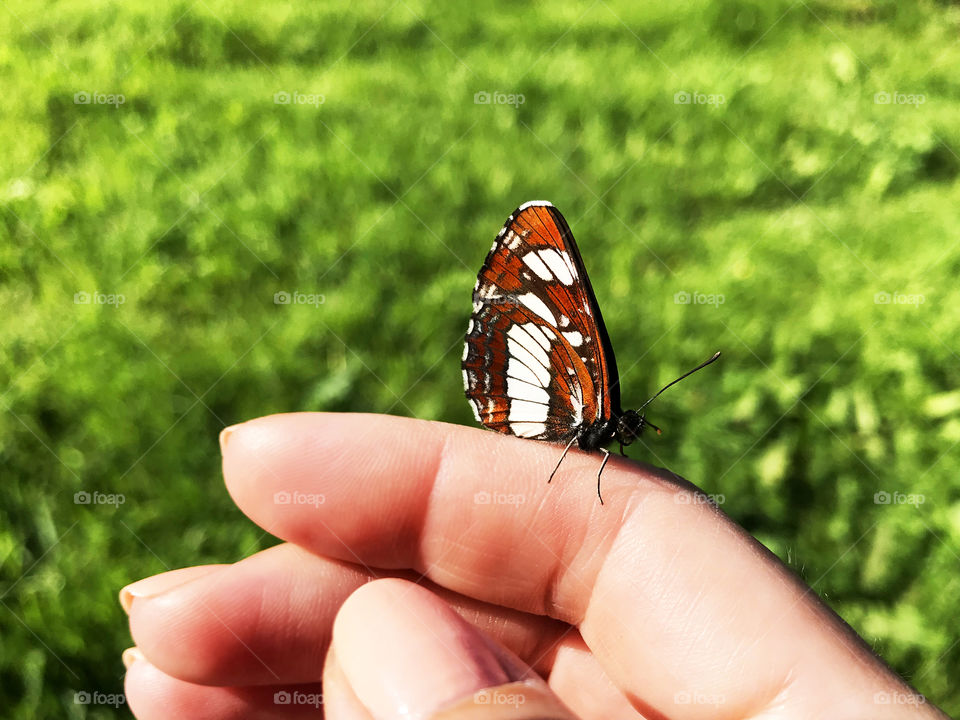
{"x": 537, "y": 361}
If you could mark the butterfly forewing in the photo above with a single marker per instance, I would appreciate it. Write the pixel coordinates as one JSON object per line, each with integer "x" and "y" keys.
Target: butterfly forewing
{"x": 537, "y": 361}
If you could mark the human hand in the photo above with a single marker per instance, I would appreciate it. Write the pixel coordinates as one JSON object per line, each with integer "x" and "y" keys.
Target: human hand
{"x": 654, "y": 605}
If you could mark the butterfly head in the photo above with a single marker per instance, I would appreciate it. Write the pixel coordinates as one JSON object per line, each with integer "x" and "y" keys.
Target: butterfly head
{"x": 630, "y": 425}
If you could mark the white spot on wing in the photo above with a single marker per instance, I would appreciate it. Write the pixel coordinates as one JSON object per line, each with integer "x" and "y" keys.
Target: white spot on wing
{"x": 466, "y": 351}
{"x": 528, "y": 429}
{"x": 534, "y": 203}
{"x": 524, "y": 411}
{"x": 476, "y": 411}
{"x": 537, "y": 332}
{"x": 564, "y": 321}
{"x": 519, "y": 390}
{"x": 558, "y": 263}
{"x": 574, "y": 338}
{"x": 526, "y": 336}
{"x": 512, "y": 240}
{"x": 536, "y": 305}
{"x": 516, "y": 369}
{"x": 577, "y": 402}
{"x": 533, "y": 261}
{"x": 529, "y": 352}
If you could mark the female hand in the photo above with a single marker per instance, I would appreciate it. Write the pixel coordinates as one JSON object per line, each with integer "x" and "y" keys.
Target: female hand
{"x": 653, "y": 605}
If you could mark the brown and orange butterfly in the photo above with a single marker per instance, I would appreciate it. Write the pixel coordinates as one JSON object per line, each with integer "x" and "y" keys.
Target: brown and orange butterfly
{"x": 538, "y": 362}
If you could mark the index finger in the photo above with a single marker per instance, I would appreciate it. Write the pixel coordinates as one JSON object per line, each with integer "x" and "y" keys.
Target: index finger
{"x": 689, "y": 615}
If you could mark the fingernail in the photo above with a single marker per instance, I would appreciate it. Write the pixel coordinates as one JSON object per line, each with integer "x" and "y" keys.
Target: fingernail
{"x": 406, "y": 653}
{"x": 159, "y": 584}
{"x": 131, "y": 655}
{"x": 225, "y": 435}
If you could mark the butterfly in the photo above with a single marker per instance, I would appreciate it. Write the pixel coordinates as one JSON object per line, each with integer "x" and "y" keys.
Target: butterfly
{"x": 537, "y": 362}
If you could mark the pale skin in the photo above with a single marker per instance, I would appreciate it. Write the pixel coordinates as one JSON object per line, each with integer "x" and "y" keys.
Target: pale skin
{"x": 654, "y": 605}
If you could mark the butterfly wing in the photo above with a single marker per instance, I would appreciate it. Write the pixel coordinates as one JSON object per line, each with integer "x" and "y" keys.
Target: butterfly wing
{"x": 537, "y": 361}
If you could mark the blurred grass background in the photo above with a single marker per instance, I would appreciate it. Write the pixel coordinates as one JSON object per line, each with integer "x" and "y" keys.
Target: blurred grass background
{"x": 795, "y": 193}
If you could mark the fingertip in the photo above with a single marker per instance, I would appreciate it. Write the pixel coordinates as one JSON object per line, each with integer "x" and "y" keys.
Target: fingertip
{"x": 399, "y": 645}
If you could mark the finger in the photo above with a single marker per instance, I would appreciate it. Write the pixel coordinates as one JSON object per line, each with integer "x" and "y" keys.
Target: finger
{"x": 405, "y": 653}
{"x": 267, "y": 620}
{"x": 339, "y": 700}
{"x": 153, "y": 695}
{"x": 676, "y": 601}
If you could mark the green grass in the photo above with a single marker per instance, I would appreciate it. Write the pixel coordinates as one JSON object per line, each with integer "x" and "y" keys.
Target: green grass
{"x": 798, "y": 199}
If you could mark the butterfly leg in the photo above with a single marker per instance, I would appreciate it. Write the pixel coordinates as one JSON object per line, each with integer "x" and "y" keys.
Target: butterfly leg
{"x": 606, "y": 456}
{"x": 621, "y": 450}
{"x": 572, "y": 441}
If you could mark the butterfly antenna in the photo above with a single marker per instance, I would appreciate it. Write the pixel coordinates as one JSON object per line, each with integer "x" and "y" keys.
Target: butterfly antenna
{"x": 686, "y": 374}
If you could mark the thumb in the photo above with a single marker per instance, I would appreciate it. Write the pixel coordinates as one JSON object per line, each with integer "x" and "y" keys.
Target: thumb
{"x": 399, "y": 651}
